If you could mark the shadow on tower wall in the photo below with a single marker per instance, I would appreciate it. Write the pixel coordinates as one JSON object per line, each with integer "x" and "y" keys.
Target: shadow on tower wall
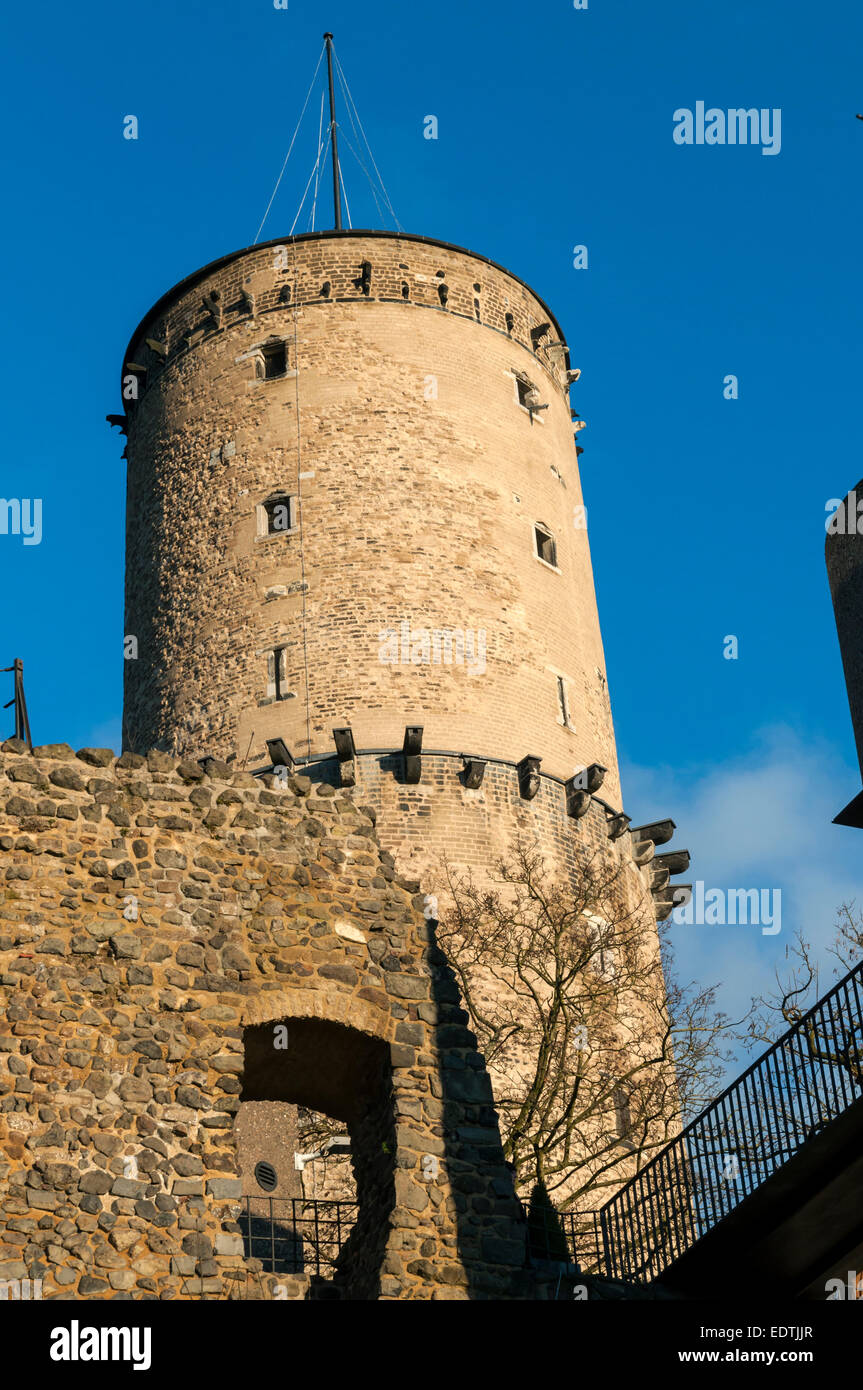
{"x": 490, "y": 1223}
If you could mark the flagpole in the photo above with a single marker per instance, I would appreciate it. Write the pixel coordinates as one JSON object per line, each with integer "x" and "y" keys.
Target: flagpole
{"x": 337, "y": 192}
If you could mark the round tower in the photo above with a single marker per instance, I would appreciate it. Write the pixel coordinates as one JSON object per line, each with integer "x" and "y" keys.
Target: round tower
{"x": 354, "y": 505}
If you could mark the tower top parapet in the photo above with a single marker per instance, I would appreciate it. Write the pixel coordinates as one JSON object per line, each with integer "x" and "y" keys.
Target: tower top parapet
{"x": 268, "y": 250}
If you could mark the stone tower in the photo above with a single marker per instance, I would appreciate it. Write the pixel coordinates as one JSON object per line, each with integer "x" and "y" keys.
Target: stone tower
{"x": 354, "y": 505}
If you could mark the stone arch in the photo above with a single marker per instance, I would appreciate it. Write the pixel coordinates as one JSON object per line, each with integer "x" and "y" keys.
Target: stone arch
{"x": 275, "y": 1005}
{"x": 336, "y": 1061}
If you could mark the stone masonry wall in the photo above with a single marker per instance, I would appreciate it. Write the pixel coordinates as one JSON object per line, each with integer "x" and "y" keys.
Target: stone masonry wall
{"x": 157, "y": 921}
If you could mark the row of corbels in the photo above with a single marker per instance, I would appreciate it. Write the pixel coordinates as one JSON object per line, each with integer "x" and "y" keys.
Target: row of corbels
{"x": 666, "y": 895}
{"x": 580, "y": 790}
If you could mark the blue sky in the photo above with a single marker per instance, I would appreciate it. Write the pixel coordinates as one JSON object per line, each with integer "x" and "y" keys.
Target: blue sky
{"x": 706, "y": 515}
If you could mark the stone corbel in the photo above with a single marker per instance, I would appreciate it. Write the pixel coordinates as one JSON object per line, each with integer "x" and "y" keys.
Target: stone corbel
{"x": 528, "y": 777}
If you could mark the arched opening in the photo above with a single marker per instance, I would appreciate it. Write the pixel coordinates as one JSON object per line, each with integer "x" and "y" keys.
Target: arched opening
{"x": 315, "y": 1092}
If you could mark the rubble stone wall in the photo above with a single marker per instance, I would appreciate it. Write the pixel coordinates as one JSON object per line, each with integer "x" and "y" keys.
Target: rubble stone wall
{"x": 158, "y": 920}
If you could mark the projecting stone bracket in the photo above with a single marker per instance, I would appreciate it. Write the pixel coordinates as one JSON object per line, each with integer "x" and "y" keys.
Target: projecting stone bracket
{"x": 666, "y": 895}
{"x": 617, "y": 825}
{"x": 348, "y": 773}
{"x": 674, "y": 896}
{"x": 660, "y": 831}
{"x": 473, "y": 773}
{"x": 676, "y": 861}
{"x": 642, "y": 850}
{"x": 528, "y": 777}
{"x": 411, "y": 750}
{"x": 347, "y": 755}
{"x": 577, "y": 799}
{"x": 211, "y": 304}
{"x": 363, "y": 281}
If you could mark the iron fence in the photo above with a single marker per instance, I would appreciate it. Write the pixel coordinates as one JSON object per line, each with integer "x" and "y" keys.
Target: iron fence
{"x": 292, "y": 1235}
{"x": 295, "y": 1235}
{"x": 571, "y": 1235}
{"x": 790, "y": 1094}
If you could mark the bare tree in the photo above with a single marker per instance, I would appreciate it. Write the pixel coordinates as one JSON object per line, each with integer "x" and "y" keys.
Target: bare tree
{"x": 802, "y": 984}
{"x": 822, "y": 1059}
{"x": 314, "y": 1129}
{"x": 595, "y": 1048}
{"x": 328, "y": 1175}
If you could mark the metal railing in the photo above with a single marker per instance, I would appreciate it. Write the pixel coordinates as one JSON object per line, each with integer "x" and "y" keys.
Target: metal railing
{"x": 807, "y": 1078}
{"x": 296, "y": 1235}
{"x": 292, "y": 1235}
{"x": 554, "y": 1234}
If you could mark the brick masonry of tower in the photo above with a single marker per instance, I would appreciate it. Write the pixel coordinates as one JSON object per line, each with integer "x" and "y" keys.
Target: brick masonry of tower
{"x": 419, "y": 480}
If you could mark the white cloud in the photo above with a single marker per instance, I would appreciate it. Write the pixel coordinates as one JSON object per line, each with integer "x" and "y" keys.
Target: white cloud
{"x": 762, "y": 820}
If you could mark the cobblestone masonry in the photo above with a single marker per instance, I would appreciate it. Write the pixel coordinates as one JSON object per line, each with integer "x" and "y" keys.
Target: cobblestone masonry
{"x": 158, "y": 919}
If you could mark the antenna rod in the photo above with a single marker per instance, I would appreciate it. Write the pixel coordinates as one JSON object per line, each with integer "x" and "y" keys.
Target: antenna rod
{"x": 337, "y": 192}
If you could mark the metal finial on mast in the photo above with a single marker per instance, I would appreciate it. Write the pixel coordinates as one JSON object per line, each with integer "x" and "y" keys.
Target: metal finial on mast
{"x": 337, "y": 192}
